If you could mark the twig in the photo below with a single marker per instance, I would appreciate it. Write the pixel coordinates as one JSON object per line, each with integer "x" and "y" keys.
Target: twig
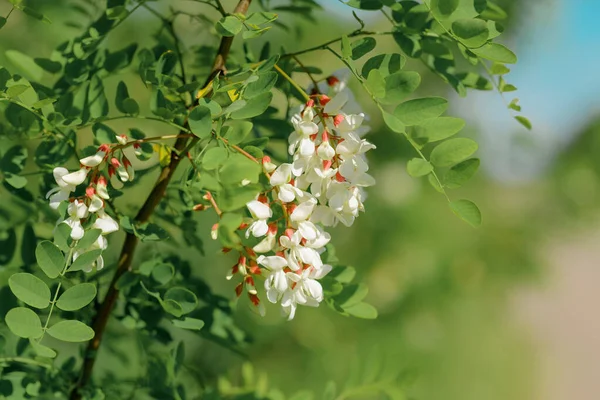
{"x": 307, "y": 71}
{"x": 326, "y": 44}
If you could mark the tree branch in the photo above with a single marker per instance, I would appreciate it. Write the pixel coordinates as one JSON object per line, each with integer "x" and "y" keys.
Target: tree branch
{"x": 131, "y": 241}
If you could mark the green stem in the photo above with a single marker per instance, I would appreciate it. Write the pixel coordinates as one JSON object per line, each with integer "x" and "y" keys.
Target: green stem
{"x": 55, "y": 298}
{"x": 324, "y": 46}
{"x": 118, "y": 117}
{"x": 292, "y": 82}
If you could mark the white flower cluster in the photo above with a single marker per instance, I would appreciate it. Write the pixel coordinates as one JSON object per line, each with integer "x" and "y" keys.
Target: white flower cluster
{"x": 323, "y": 185}
{"x": 88, "y": 211}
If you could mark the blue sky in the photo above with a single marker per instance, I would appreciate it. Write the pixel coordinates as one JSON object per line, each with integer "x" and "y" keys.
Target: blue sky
{"x": 558, "y": 80}
{"x": 558, "y": 77}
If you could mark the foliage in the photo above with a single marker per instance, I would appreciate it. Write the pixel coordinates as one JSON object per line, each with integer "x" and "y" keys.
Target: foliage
{"x": 230, "y": 122}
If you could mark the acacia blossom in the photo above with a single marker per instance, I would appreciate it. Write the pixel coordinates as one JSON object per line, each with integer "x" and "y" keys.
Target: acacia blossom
{"x": 323, "y": 185}
{"x": 88, "y": 212}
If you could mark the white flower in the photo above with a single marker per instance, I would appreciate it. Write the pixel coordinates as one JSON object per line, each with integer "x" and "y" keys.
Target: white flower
{"x": 269, "y": 242}
{"x": 301, "y": 216}
{"x": 276, "y": 282}
{"x": 355, "y": 172}
{"x": 77, "y": 210}
{"x": 94, "y": 160}
{"x": 336, "y": 103}
{"x": 304, "y": 289}
{"x": 352, "y": 145}
{"x": 105, "y": 223}
{"x": 76, "y": 178}
{"x": 96, "y": 204}
{"x": 261, "y": 212}
{"x": 301, "y": 139}
{"x": 122, "y": 139}
{"x": 325, "y": 151}
{"x": 281, "y": 179}
{"x": 101, "y": 188}
{"x": 296, "y": 254}
{"x": 63, "y": 191}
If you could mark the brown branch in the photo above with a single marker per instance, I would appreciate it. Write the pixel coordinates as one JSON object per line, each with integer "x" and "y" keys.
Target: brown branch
{"x": 131, "y": 241}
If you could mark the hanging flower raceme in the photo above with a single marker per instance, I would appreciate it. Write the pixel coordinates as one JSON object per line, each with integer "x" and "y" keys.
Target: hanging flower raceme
{"x": 321, "y": 186}
{"x": 87, "y": 212}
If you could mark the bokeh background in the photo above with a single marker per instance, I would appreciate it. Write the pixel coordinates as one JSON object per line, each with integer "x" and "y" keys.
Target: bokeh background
{"x": 506, "y": 311}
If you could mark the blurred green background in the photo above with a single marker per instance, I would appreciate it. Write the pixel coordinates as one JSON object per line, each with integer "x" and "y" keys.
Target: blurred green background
{"x": 506, "y": 311}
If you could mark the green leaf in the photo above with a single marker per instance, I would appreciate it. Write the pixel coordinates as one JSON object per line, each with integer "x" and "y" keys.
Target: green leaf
{"x": 88, "y": 239}
{"x": 461, "y": 173}
{"x": 236, "y": 131}
{"x": 200, "y": 122}
{"x": 261, "y": 18}
{"x": 150, "y": 232}
{"x": 163, "y": 273}
{"x": 376, "y": 84}
{"x": 62, "y": 240}
{"x": 472, "y": 32}
{"x": 25, "y": 65}
{"x": 399, "y": 85}
{"x": 215, "y": 108}
{"x": 253, "y": 107}
{"x": 342, "y": 274}
{"x": 24, "y": 323}
{"x": 103, "y": 134}
{"x": 263, "y": 84}
{"x": 214, "y": 158}
{"x": 524, "y": 121}
{"x": 189, "y": 323}
{"x": 346, "y": 47}
{"x": 351, "y": 294}
{"x": 496, "y": 52}
{"x": 362, "y": 46}
{"x": 393, "y": 122}
{"x": 96, "y": 104}
{"x": 77, "y": 297}
{"x": 474, "y": 80}
{"x": 228, "y": 224}
{"x": 233, "y": 198}
{"x": 362, "y": 310}
{"x": 34, "y": 14}
{"x": 229, "y": 26}
{"x": 8, "y": 245}
{"x": 418, "y": 167}
{"x": 238, "y": 168}
{"x": 438, "y": 128}
{"x": 84, "y": 261}
{"x": 30, "y": 289}
{"x": 514, "y": 105}
{"x": 121, "y": 95}
{"x": 468, "y": 211}
{"x": 365, "y": 4}
{"x": 452, "y": 151}
{"x": 48, "y": 65}
{"x": 41, "y": 350}
{"x": 172, "y": 307}
{"x": 50, "y": 259}
{"x": 185, "y": 298}
{"x": 386, "y": 64}
{"x": 71, "y": 331}
{"x": 444, "y": 7}
{"x": 499, "y": 69}
{"x": 2, "y": 22}
{"x": 415, "y": 111}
